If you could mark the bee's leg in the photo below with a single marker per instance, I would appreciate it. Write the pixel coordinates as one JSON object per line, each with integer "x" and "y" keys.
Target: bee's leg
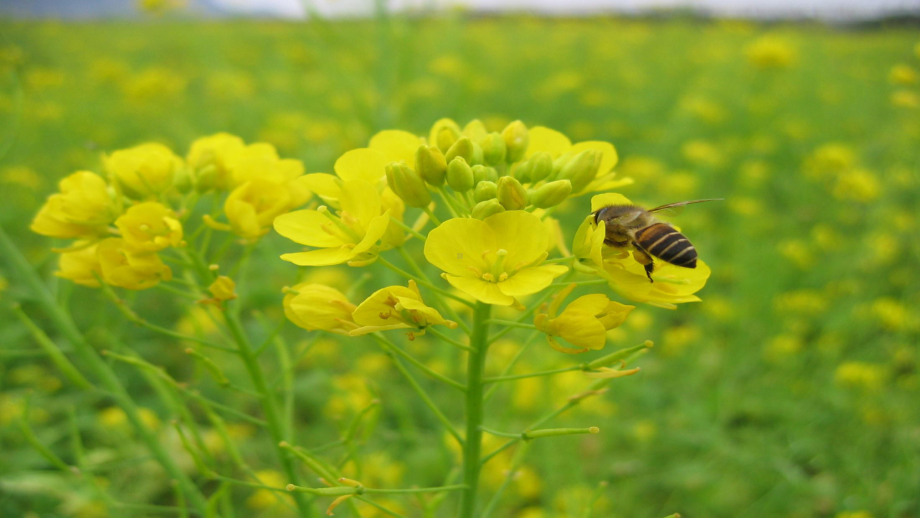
{"x": 645, "y": 260}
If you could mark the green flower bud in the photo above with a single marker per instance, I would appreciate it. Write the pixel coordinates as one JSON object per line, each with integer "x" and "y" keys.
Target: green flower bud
{"x": 522, "y": 171}
{"x": 444, "y": 133}
{"x": 581, "y": 169}
{"x": 493, "y": 149}
{"x": 485, "y": 190}
{"x": 516, "y": 140}
{"x": 542, "y": 166}
{"x": 551, "y": 194}
{"x": 463, "y": 148}
{"x": 484, "y": 209}
{"x": 184, "y": 179}
{"x": 408, "y": 185}
{"x": 459, "y": 175}
{"x": 511, "y": 194}
{"x": 475, "y": 130}
{"x": 482, "y": 173}
{"x": 477, "y": 155}
{"x": 431, "y": 165}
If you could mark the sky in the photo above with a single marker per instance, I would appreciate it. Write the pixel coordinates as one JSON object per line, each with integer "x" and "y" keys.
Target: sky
{"x": 826, "y": 9}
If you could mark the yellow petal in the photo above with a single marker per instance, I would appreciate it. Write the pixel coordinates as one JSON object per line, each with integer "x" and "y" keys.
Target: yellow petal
{"x": 457, "y": 246}
{"x": 326, "y": 186}
{"x": 362, "y": 164}
{"x": 581, "y": 330}
{"x": 321, "y": 257}
{"x": 521, "y": 234}
{"x": 531, "y": 280}
{"x": 610, "y": 198}
{"x": 593, "y": 304}
{"x": 375, "y": 230}
{"x": 360, "y": 200}
{"x": 547, "y": 140}
{"x": 480, "y": 290}
{"x": 309, "y": 227}
{"x": 396, "y": 145}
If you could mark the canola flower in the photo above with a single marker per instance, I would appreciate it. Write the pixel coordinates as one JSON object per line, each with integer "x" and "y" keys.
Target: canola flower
{"x": 482, "y": 203}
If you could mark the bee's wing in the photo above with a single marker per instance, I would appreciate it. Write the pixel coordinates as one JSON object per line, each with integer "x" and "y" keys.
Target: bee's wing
{"x": 672, "y": 209}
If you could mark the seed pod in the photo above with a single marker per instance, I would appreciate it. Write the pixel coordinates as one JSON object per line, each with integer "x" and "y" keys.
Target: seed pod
{"x": 459, "y": 175}
{"x": 551, "y": 194}
{"x": 431, "y": 165}
{"x": 408, "y": 185}
{"x": 511, "y": 194}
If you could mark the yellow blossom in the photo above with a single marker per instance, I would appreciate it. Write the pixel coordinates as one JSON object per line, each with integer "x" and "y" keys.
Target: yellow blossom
{"x": 396, "y": 307}
{"x": 125, "y": 269}
{"x": 80, "y": 265}
{"x": 348, "y": 237}
{"x": 149, "y": 227}
{"x": 583, "y": 323}
{"x": 770, "y": 52}
{"x": 253, "y": 206}
{"x": 319, "y": 307}
{"x": 902, "y": 74}
{"x": 857, "y": 185}
{"x": 144, "y": 171}
{"x": 223, "y": 288}
{"x": 211, "y": 159}
{"x": 82, "y": 208}
{"x": 867, "y": 376}
{"x": 496, "y": 259}
{"x": 260, "y": 161}
{"x": 561, "y": 149}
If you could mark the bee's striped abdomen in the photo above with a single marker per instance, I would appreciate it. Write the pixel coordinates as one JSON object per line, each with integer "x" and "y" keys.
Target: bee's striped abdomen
{"x": 667, "y": 244}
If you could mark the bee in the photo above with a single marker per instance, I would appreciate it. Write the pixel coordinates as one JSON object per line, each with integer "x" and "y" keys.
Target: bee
{"x": 633, "y": 226}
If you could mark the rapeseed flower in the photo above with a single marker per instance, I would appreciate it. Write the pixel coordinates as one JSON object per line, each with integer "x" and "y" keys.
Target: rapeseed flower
{"x": 397, "y": 307}
{"x": 144, "y": 171}
{"x": 319, "y": 307}
{"x": 149, "y": 227}
{"x": 80, "y": 265}
{"x": 125, "y": 268}
{"x": 588, "y": 165}
{"x": 83, "y": 208}
{"x": 583, "y": 323}
{"x": 350, "y": 236}
{"x": 496, "y": 259}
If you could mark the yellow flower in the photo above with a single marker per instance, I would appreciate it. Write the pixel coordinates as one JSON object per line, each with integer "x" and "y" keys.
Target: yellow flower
{"x": 867, "y": 376}
{"x": 260, "y": 161}
{"x": 396, "y": 145}
{"x": 496, "y": 259}
{"x": 316, "y": 306}
{"x": 80, "y": 265}
{"x": 253, "y": 206}
{"x": 125, "y": 269}
{"x": 583, "y": 323}
{"x": 83, "y": 208}
{"x": 902, "y": 74}
{"x": 223, "y": 288}
{"x": 396, "y": 307}
{"x": 210, "y": 158}
{"x": 144, "y": 171}
{"x": 770, "y": 52}
{"x": 561, "y": 149}
{"x": 673, "y": 284}
{"x": 857, "y": 185}
{"x": 348, "y": 237}
{"x": 149, "y": 227}
{"x": 262, "y": 499}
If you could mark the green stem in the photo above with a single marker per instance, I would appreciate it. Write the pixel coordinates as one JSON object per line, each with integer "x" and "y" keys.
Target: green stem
{"x": 269, "y": 406}
{"x": 421, "y": 281}
{"x": 100, "y": 369}
{"x": 511, "y": 323}
{"x": 472, "y": 448}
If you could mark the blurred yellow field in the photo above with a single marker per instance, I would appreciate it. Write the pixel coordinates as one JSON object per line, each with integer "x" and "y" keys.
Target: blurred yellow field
{"x": 160, "y": 359}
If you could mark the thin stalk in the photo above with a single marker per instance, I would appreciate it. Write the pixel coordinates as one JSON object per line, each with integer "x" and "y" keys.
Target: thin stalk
{"x": 421, "y": 273}
{"x": 98, "y": 367}
{"x": 512, "y": 323}
{"x": 472, "y": 449}
{"x": 269, "y": 406}
{"x": 421, "y": 281}
{"x": 415, "y": 361}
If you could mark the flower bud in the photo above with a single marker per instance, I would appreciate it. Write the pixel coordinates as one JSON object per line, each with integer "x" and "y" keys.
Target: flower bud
{"x": 542, "y": 166}
{"x": 581, "y": 169}
{"x": 484, "y": 209}
{"x": 459, "y": 175}
{"x": 475, "y": 130}
{"x": 477, "y": 155}
{"x": 485, "y": 190}
{"x": 431, "y": 165}
{"x": 444, "y": 133}
{"x": 482, "y": 173}
{"x": 516, "y": 140}
{"x": 463, "y": 147}
{"x": 511, "y": 194}
{"x": 493, "y": 149}
{"x": 551, "y": 194}
{"x": 407, "y": 184}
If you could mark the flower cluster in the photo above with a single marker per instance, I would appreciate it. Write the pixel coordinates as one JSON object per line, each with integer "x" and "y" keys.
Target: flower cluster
{"x": 121, "y": 222}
